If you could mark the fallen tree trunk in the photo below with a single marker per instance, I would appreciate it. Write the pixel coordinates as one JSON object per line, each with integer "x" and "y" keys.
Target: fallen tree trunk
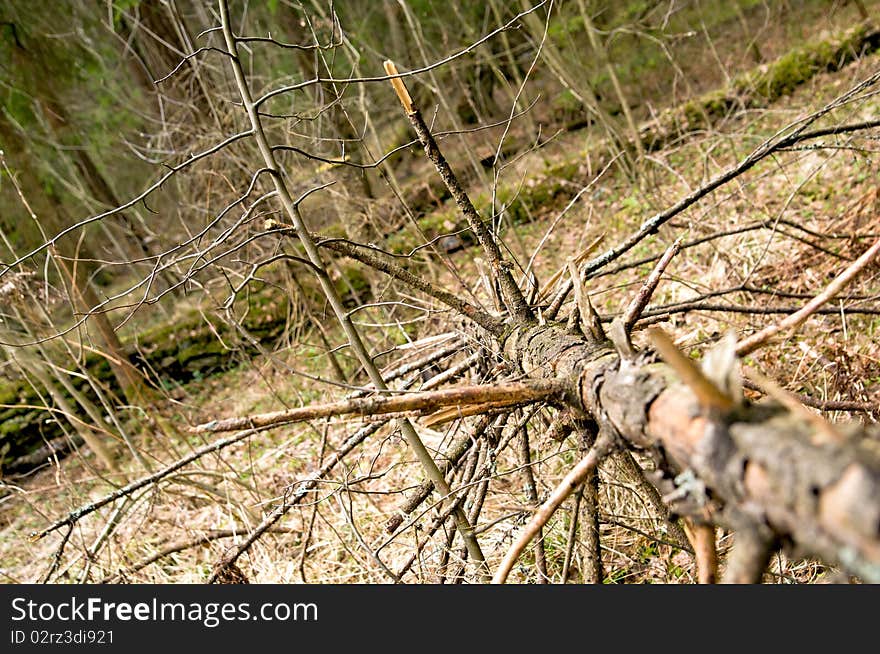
{"x": 757, "y": 467}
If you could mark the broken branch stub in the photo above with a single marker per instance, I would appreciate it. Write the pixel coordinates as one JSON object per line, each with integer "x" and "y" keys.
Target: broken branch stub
{"x": 512, "y": 294}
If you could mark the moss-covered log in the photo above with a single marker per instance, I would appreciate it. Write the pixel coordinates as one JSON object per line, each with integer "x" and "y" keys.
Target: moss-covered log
{"x": 169, "y": 354}
{"x": 559, "y": 183}
{"x": 762, "y": 85}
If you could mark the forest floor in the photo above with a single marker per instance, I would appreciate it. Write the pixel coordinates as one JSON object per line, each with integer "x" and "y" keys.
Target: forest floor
{"x": 833, "y": 191}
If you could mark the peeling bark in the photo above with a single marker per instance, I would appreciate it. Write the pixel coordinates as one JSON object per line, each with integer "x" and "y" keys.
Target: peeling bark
{"x": 821, "y": 497}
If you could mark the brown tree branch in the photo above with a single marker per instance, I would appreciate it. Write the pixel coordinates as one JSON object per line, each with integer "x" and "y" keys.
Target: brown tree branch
{"x": 592, "y": 569}
{"x": 703, "y": 389}
{"x": 796, "y": 319}
{"x": 570, "y": 483}
{"x": 513, "y": 296}
{"x": 649, "y": 492}
{"x": 531, "y": 492}
{"x": 702, "y": 537}
{"x": 291, "y": 209}
{"x": 635, "y": 308}
{"x": 352, "y": 251}
{"x": 504, "y": 394}
{"x": 752, "y": 546}
{"x": 824, "y": 405}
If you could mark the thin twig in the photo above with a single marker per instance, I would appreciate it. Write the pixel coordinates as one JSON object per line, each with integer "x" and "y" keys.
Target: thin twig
{"x": 589, "y": 322}
{"x": 181, "y": 545}
{"x": 566, "y": 487}
{"x": 513, "y": 296}
{"x": 790, "y": 402}
{"x": 531, "y": 490}
{"x": 632, "y": 312}
{"x": 355, "y": 341}
{"x": 824, "y": 405}
{"x": 448, "y": 461}
{"x": 793, "y": 321}
{"x": 56, "y": 559}
{"x": 489, "y": 323}
{"x": 432, "y": 529}
{"x": 649, "y": 492}
{"x": 292, "y": 499}
{"x": 360, "y": 539}
{"x": 651, "y": 316}
{"x": 82, "y": 511}
{"x": 766, "y": 149}
{"x": 384, "y": 78}
{"x": 752, "y": 547}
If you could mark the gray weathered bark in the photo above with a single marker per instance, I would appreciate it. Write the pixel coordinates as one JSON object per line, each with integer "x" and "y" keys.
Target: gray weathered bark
{"x": 759, "y": 463}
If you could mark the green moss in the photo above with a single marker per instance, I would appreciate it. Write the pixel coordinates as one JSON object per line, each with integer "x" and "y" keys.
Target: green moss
{"x": 183, "y": 350}
{"x": 717, "y": 103}
{"x": 789, "y": 72}
{"x": 699, "y": 112}
{"x": 565, "y": 170}
{"x": 762, "y": 85}
{"x": 694, "y": 115}
{"x": 9, "y": 392}
{"x": 566, "y": 106}
{"x": 445, "y": 220}
{"x": 562, "y": 29}
{"x": 189, "y": 354}
{"x": 767, "y": 83}
{"x": 351, "y": 280}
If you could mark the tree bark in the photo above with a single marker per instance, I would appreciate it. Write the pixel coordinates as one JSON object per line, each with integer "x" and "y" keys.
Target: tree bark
{"x": 819, "y": 493}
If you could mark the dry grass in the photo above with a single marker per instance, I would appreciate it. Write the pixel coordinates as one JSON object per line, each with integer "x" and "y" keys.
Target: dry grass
{"x": 833, "y": 357}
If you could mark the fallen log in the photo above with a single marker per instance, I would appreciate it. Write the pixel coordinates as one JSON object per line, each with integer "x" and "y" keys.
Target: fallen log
{"x": 761, "y": 466}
